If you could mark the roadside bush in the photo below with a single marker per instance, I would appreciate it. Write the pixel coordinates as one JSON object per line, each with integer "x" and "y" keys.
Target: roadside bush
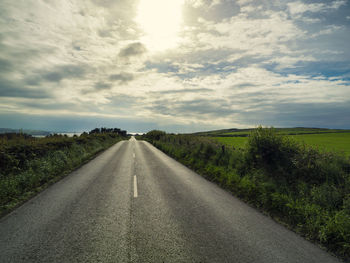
{"x": 327, "y": 196}
{"x": 273, "y": 153}
{"x": 307, "y": 189}
{"x": 28, "y": 163}
{"x": 336, "y": 233}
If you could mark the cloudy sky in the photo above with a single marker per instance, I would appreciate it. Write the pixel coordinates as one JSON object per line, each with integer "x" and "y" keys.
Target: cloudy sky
{"x": 175, "y": 65}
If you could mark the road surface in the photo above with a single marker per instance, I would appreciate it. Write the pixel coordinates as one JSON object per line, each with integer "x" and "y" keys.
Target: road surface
{"x": 132, "y": 203}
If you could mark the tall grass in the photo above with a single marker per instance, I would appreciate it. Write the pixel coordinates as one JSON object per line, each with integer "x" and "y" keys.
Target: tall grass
{"x": 306, "y": 189}
{"x": 27, "y": 163}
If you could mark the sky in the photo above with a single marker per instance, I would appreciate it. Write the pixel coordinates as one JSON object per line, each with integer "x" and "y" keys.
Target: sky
{"x": 174, "y": 65}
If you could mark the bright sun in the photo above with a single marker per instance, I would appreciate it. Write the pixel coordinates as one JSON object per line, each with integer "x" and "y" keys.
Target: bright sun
{"x": 161, "y": 21}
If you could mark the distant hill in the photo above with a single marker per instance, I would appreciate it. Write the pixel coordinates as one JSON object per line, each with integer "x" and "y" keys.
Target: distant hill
{"x": 233, "y": 132}
{"x": 26, "y": 131}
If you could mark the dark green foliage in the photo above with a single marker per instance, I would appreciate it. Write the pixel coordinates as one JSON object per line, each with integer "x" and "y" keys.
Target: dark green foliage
{"x": 108, "y": 130}
{"x": 155, "y": 135}
{"x": 27, "y": 163}
{"x": 301, "y": 186}
{"x": 271, "y": 152}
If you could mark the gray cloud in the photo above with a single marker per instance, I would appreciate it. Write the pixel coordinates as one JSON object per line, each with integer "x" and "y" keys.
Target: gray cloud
{"x": 214, "y": 108}
{"x": 64, "y": 72}
{"x": 13, "y": 89}
{"x": 201, "y": 107}
{"x": 245, "y": 85}
{"x": 105, "y": 33}
{"x": 104, "y": 3}
{"x": 97, "y": 87}
{"x": 47, "y": 105}
{"x": 102, "y": 86}
{"x": 255, "y": 99}
{"x": 73, "y": 122}
{"x": 199, "y": 90}
{"x": 56, "y": 74}
{"x": 5, "y": 65}
{"x": 76, "y": 47}
{"x": 33, "y": 80}
{"x": 325, "y": 115}
{"x": 236, "y": 60}
{"x": 133, "y": 49}
{"x": 122, "y": 77}
{"x": 123, "y": 103}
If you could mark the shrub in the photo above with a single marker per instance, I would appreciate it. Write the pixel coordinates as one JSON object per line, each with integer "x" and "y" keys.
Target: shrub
{"x": 327, "y": 196}
{"x": 274, "y": 153}
{"x": 26, "y": 163}
{"x": 305, "y": 188}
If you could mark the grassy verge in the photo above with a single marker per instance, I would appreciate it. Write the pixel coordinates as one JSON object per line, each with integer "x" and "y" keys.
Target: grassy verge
{"x": 29, "y": 164}
{"x": 304, "y": 188}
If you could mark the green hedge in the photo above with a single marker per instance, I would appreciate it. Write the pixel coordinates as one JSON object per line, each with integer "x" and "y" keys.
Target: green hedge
{"x": 298, "y": 185}
{"x": 27, "y": 164}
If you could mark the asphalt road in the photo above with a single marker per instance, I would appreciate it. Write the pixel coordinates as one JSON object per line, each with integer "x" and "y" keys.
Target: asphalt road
{"x": 133, "y": 203}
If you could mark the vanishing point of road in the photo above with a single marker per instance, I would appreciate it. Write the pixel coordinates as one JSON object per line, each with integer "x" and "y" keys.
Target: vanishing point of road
{"x": 133, "y": 203}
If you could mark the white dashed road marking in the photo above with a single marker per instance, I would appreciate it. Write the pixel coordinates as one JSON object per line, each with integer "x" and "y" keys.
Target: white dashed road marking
{"x": 135, "y": 186}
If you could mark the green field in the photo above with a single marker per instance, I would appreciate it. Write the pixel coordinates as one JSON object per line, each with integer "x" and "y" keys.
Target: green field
{"x": 339, "y": 142}
{"x": 302, "y": 187}
{"x": 237, "y": 142}
{"x": 284, "y": 131}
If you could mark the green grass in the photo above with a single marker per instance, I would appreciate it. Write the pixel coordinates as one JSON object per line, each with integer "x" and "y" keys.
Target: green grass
{"x": 338, "y": 142}
{"x": 237, "y": 133}
{"x": 28, "y": 165}
{"x": 282, "y": 131}
{"x": 291, "y": 131}
{"x": 288, "y": 131}
{"x": 237, "y": 142}
{"x": 302, "y": 186}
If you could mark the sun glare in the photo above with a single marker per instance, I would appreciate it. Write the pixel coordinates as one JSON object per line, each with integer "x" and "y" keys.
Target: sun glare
{"x": 161, "y": 21}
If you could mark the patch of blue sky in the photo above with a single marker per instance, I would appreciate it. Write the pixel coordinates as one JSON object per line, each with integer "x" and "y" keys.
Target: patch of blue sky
{"x": 326, "y": 69}
{"x": 162, "y": 67}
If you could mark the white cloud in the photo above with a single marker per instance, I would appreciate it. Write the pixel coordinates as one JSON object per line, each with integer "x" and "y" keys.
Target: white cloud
{"x": 291, "y": 88}
{"x": 298, "y": 7}
{"x": 309, "y": 20}
{"x": 261, "y": 36}
{"x": 338, "y": 3}
{"x": 87, "y": 58}
{"x": 290, "y": 61}
{"x": 244, "y": 2}
{"x": 203, "y": 3}
{"x": 327, "y": 30}
{"x": 224, "y": 98}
